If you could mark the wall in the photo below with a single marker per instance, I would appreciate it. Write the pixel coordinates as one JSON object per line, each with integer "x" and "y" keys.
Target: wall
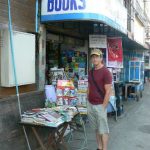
{"x": 23, "y": 19}
{"x": 121, "y": 1}
{"x": 41, "y": 58}
{"x": 12, "y": 136}
{"x": 139, "y": 31}
{"x": 147, "y": 7}
{"x": 5, "y": 92}
{"x": 141, "y": 3}
{"x": 147, "y": 11}
{"x": 23, "y": 14}
{"x": 147, "y": 60}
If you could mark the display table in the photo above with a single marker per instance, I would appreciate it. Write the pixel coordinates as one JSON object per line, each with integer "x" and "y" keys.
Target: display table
{"x": 55, "y": 120}
{"x": 55, "y": 136}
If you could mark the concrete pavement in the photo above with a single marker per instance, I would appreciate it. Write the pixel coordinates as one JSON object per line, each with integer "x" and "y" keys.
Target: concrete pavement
{"x": 131, "y": 132}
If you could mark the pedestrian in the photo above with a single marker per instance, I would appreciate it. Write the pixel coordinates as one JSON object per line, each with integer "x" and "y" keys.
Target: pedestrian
{"x": 100, "y": 83}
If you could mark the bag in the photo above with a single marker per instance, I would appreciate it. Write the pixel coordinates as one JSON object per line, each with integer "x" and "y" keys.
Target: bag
{"x": 97, "y": 87}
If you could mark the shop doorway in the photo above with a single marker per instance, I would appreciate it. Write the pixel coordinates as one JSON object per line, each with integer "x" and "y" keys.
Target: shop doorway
{"x": 68, "y": 55}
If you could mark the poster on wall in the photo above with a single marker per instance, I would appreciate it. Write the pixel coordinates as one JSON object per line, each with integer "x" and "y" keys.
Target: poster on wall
{"x": 100, "y": 42}
{"x": 97, "y": 41}
{"x": 114, "y": 52}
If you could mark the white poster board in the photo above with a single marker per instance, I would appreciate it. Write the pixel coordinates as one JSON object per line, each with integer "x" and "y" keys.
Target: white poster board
{"x": 24, "y": 55}
{"x": 97, "y": 41}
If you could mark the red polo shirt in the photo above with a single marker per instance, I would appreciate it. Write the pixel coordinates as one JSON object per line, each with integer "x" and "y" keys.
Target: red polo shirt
{"x": 102, "y": 76}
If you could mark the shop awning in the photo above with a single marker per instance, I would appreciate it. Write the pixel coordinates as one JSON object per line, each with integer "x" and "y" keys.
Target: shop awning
{"x": 82, "y": 29}
{"x": 133, "y": 45}
{"x": 112, "y": 13}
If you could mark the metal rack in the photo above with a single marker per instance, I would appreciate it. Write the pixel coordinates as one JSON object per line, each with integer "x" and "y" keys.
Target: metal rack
{"x": 81, "y": 127}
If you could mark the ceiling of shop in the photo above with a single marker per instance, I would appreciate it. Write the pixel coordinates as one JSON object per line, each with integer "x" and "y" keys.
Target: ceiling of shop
{"x": 82, "y": 29}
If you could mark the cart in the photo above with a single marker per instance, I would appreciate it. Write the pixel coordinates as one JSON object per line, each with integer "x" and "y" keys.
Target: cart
{"x": 135, "y": 86}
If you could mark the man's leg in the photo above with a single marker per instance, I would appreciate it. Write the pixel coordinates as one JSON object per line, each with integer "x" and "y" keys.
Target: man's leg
{"x": 105, "y": 138}
{"x": 99, "y": 140}
{"x": 103, "y": 128}
{"x": 93, "y": 123}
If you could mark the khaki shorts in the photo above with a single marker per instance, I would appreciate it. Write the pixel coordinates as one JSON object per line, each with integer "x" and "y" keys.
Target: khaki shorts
{"x": 97, "y": 116}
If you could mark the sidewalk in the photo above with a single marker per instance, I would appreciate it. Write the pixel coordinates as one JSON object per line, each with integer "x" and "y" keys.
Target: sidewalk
{"x": 130, "y": 132}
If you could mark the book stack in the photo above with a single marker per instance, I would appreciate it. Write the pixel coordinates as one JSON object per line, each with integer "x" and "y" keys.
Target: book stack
{"x": 52, "y": 117}
{"x": 45, "y": 116}
{"x": 82, "y": 92}
{"x": 66, "y": 93}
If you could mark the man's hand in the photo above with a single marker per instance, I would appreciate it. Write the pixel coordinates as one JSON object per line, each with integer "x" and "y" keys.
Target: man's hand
{"x": 104, "y": 105}
{"x": 107, "y": 95}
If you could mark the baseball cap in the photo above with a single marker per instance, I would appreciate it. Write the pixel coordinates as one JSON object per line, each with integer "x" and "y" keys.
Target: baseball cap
{"x": 96, "y": 52}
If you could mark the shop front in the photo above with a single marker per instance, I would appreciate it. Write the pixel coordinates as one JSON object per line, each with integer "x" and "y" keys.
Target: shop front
{"x": 69, "y": 26}
{"x": 75, "y": 27}
{"x": 67, "y": 53}
{"x": 68, "y": 30}
{"x": 68, "y": 45}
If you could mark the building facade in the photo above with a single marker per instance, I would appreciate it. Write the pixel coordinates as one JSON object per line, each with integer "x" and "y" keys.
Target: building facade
{"x": 58, "y": 30}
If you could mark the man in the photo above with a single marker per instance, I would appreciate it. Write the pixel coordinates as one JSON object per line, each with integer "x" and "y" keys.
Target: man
{"x": 100, "y": 82}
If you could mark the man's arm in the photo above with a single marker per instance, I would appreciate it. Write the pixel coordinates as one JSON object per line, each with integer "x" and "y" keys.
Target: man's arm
{"x": 88, "y": 89}
{"x": 107, "y": 94}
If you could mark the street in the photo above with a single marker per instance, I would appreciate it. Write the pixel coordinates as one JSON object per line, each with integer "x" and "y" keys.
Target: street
{"x": 131, "y": 131}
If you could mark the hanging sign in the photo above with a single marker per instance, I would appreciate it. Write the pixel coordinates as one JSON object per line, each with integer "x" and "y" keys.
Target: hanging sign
{"x": 115, "y": 53}
{"x": 111, "y": 12}
{"x": 97, "y": 41}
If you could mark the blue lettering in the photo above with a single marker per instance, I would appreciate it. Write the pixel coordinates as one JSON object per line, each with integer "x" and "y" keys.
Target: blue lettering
{"x": 57, "y": 5}
{"x": 65, "y": 5}
{"x": 73, "y": 5}
{"x": 50, "y": 5}
{"x": 83, "y": 6}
